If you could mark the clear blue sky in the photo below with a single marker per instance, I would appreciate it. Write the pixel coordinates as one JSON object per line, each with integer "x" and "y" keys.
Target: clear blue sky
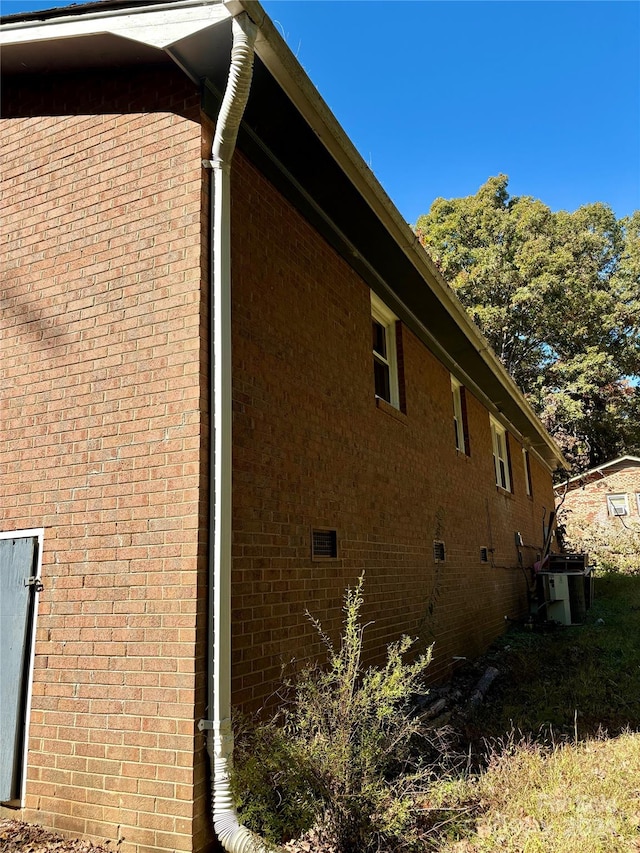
{"x": 439, "y": 96}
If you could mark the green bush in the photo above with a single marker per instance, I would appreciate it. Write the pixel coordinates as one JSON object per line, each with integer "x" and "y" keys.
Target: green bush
{"x": 341, "y": 756}
{"x": 610, "y": 549}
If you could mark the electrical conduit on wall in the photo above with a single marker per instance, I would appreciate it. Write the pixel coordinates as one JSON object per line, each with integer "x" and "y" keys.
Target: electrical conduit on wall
{"x": 233, "y": 836}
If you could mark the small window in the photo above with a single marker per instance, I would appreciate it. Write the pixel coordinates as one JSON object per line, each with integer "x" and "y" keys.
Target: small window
{"x": 500, "y": 443}
{"x": 527, "y": 471}
{"x": 385, "y": 356}
{"x": 484, "y": 555}
{"x": 438, "y": 551}
{"x": 324, "y": 544}
{"x": 617, "y": 505}
{"x": 460, "y": 428}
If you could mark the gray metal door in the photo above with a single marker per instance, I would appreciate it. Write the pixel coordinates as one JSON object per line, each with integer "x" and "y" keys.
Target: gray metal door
{"x": 18, "y": 566}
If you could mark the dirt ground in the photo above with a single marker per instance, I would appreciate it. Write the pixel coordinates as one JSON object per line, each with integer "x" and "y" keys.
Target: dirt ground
{"x": 18, "y": 837}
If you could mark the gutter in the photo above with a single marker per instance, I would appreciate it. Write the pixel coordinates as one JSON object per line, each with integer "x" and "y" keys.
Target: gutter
{"x": 233, "y": 836}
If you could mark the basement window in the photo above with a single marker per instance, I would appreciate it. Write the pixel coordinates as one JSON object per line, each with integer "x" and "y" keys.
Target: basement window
{"x": 617, "y": 505}
{"x": 324, "y": 543}
{"x": 438, "y": 551}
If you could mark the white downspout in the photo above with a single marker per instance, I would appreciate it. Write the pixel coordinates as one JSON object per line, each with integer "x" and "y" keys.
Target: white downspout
{"x": 234, "y": 837}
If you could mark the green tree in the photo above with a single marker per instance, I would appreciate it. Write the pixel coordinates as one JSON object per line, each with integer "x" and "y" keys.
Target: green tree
{"x": 558, "y": 297}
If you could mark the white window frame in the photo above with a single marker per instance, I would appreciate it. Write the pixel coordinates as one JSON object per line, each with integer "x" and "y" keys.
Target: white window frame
{"x": 500, "y": 454}
{"x": 617, "y": 501}
{"x": 386, "y": 318}
{"x": 527, "y": 471}
{"x": 458, "y": 419}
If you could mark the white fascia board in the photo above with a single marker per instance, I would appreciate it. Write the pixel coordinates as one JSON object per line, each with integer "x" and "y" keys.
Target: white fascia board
{"x": 286, "y": 69}
{"x": 599, "y": 469}
{"x": 155, "y": 26}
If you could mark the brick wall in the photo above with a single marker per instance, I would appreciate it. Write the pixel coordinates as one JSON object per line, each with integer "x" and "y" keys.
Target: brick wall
{"x": 104, "y": 370}
{"x": 588, "y": 501}
{"x": 100, "y": 444}
{"x": 311, "y": 448}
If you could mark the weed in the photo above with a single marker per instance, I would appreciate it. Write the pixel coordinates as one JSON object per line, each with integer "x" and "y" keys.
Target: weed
{"x": 346, "y": 754}
{"x": 556, "y": 798}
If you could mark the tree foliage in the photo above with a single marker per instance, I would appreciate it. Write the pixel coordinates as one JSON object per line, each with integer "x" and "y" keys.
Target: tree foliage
{"x": 558, "y": 297}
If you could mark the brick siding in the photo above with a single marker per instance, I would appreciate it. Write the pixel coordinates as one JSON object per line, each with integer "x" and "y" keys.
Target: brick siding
{"x": 587, "y": 500}
{"x": 311, "y": 448}
{"x": 100, "y": 444}
{"x": 103, "y": 443}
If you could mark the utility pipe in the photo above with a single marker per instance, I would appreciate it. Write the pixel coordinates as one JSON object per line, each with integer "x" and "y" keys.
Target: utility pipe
{"x": 234, "y": 837}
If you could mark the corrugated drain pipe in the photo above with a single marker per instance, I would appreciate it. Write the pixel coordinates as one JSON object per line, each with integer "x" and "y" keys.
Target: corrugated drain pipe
{"x": 234, "y": 837}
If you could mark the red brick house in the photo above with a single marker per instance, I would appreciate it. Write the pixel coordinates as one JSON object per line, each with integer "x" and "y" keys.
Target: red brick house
{"x": 200, "y": 437}
{"x": 605, "y": 494}
{"x": 601, "y": 508}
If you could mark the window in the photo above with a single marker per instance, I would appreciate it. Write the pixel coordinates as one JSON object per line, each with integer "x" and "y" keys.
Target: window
{"x": 438, "y": 551}
{"x": 617, "y": 505}
{"x": 324, "y": 544}
{"x": 385, "y": 356}
{"x": 527, "y": 471}
{"x": 461, "y": 430}
{"x": 484, "y": 555}
{"x": 500, "y": 455}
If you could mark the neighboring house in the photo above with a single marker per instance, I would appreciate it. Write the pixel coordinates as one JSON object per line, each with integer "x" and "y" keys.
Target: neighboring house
{"x": 607, "y": 496}
{"x": 361, "y": 419}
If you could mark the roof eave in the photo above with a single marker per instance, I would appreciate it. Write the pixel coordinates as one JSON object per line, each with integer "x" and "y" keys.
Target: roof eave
{"x": 173, "y": 29}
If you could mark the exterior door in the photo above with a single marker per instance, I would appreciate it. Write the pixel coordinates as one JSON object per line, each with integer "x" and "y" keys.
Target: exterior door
{"x": 18, "y": 571}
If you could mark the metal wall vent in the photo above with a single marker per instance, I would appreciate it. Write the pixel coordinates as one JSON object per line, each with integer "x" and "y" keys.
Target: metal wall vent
{"x": 438, "y": 551}
{"x": 324, "y": 544}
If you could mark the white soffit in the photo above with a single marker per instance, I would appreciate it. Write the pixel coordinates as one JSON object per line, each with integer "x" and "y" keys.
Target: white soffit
{"x": 159, "y": 27}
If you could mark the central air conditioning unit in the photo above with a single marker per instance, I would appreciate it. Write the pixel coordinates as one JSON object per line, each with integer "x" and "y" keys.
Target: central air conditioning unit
{"x": 556, "y": 594}
{"x": 565, "y": 590}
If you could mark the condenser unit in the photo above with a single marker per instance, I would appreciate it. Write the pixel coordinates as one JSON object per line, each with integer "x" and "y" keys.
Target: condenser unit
{"x": 565, "y": 590}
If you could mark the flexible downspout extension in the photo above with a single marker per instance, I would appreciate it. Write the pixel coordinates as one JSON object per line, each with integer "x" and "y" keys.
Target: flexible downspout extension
{"x": 234, "y": 837}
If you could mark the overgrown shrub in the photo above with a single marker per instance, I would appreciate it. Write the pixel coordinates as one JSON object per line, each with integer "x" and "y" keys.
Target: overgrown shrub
{"x": 346, "y": 754}
{"x": 610, "y": 549}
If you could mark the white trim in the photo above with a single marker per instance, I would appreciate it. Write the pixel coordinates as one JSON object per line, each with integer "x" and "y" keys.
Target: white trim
{"x": 154, "y": 26}
{"x": 289, "y": 74}
{"x": 527, "y": 471}
{"x": 34, "y": 533}
{"x": 500, "y": 454}
{"x": 617, "y": 500}
{"x": 383, "y": 315}
{"x": 599, "y": 468}
{"x": 458, "y": 417}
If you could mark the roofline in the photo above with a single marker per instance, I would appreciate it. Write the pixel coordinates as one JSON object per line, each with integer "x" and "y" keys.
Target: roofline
{"x": 286, "y": 69}
{"x": 291, "y": 77}
{"x": 596, "y": 469}
{"x": 89, "y": 11}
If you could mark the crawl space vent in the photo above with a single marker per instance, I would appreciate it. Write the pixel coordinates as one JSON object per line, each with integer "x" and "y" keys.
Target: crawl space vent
{"x": 324, "y": 544}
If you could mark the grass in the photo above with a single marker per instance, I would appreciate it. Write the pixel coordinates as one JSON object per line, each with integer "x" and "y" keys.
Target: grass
{"x": 535, "y": 799}
{"x": 585, "y": 676}
{"x": 559, "y": 739}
